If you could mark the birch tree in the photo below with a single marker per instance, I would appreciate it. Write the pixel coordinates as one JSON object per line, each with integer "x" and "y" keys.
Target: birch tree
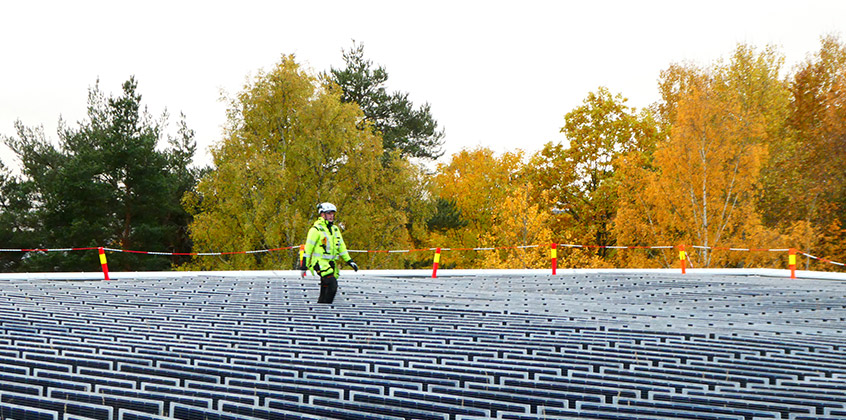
{"x": 703, "y": 187}
{"x": 289, "y": 144}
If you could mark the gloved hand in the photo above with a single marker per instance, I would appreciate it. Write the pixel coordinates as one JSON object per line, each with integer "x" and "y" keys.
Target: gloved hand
{"x": 353, "y": 265}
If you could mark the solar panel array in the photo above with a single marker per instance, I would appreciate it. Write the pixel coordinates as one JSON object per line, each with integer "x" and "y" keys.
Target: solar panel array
{"x": 595, "y": 346}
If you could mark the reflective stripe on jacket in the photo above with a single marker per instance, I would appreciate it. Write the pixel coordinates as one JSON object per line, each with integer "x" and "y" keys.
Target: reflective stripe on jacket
{"x": 324, "y": 244}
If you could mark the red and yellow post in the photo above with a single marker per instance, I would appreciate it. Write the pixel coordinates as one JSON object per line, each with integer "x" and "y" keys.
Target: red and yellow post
{"x": 553, "y": 253}
{"x": 103, "y": 262}
{"x": 437, "y": 261}
{"x": 791, "y": 261}
{"x": 682, "y": 258}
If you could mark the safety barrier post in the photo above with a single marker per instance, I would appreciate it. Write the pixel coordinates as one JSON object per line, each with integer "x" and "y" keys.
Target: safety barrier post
{"x": 437, "y": 261}
{"x": 682, "y": 258}
{"x": 300, "y": 261}
{"x": 791, "y": 261}
{"x": 103, "y": 262}
{"x": 554, "y": 256}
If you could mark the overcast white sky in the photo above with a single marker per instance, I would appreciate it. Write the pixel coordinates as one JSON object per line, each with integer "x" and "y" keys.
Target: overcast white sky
{"x": 497, "y": 74}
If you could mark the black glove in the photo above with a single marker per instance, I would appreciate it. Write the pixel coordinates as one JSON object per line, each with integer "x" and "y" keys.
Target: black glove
{"x": 353, "y": 265}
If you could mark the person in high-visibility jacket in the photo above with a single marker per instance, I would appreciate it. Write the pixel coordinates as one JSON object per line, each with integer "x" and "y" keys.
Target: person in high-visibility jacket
{"x": 324, "y": 246}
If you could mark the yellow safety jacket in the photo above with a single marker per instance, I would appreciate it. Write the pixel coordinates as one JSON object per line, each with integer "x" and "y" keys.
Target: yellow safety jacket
{"x": 324, "y": 246}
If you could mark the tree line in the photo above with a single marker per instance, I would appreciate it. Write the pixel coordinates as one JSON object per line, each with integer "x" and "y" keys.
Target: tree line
{"x": 741, "y": 152}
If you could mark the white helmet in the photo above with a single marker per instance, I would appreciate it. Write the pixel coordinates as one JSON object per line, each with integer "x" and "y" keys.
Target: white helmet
{"x": 325, "y": 208}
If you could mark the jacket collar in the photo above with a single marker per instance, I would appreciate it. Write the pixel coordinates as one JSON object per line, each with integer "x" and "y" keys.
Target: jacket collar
{"x": 321, "y": 222}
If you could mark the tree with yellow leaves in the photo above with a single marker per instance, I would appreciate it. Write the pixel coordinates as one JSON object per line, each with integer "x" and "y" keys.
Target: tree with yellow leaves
{"x": 519, "y": 221}
{"x": 290, "y": 143}
{"x": 476, "y": 181}
{"x": 704, "y": 181}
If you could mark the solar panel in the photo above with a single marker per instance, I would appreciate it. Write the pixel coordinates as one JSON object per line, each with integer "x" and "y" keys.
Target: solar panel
{"x": 593, "y": 345}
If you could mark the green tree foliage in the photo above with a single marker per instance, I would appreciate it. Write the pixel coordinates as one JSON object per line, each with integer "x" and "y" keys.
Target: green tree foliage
{"x": 447, "y": 216}
{"x": 290, "y": 143}
{"x": 106, "y": 184}
{"x": 14, "y": 219}
{"x": 579, "y": 179}
{"x": 411, "y": 131}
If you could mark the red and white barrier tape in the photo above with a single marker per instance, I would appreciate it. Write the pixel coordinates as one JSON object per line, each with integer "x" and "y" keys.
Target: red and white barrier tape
{"x": 400, "y": 251}
{"x": 200, "y": 254}
{"x": 616, "y": 247}
{"x": 45, "y": 249}
{"x": 722, "y": 248}
{"x": 823, "y": 259}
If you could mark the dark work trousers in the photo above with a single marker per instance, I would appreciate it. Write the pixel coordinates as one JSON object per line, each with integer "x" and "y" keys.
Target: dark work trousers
{"x": 328, "y": 288}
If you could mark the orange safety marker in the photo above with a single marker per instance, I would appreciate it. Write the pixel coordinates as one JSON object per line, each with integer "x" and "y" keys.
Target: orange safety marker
{"x": 103, "y": 262}
{"x": 554, "y": 256}
{"x": 682, "y": 258}
{"x": 791, "y": 261}
{"x": 437, "y": 261}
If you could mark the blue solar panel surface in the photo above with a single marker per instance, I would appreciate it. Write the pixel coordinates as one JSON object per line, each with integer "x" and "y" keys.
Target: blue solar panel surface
{"x": 588, "y": 346}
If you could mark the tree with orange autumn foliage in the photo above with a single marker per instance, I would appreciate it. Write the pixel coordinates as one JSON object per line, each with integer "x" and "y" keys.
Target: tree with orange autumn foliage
{"x": 704, "y": 181}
